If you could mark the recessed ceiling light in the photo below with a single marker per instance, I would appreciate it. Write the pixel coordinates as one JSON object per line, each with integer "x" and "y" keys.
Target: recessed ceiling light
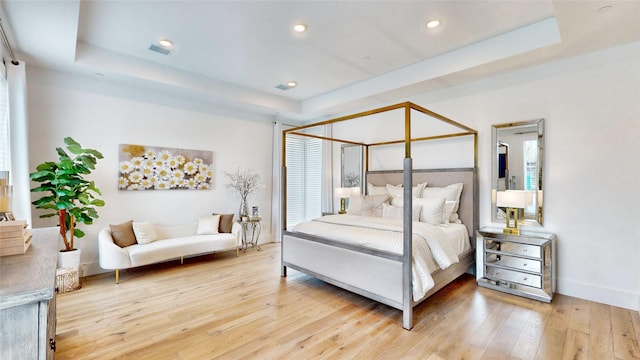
{"x": 300, "y": 27}
{"x": 433, "y": 24}
{"x": 166, "y": 42}
{"x": 292, "y": 84}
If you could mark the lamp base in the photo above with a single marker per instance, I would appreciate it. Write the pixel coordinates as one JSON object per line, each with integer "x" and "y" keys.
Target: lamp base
{"x": 512, "y": 222}
{"x": 343, "y": 206}
{"x": 511, "y": 231}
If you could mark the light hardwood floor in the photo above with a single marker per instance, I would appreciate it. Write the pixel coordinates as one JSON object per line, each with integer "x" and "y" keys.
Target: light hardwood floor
{"x": 226, "y": 307}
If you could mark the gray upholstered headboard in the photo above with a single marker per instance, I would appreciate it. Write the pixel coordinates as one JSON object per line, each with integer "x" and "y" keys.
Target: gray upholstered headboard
{"x": 468, "y": 210}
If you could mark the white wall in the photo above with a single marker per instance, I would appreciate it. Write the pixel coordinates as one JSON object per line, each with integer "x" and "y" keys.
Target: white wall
{"x": 591, "y": 106}
{"x": 101, "y": 115}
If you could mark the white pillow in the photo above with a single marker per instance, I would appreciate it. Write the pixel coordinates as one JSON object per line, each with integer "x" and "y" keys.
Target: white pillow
{"x": 398, "y": 196}
{"x": 396, "y": 212}
{"x": 432, "y": 210}
{"x": 367, "y": 205}
{"x": 447, "y": 211}
{"x": 145, "y": 232}
{"x": 208, "y": 225}
{"x": 450, "y": 193}
{"x": 376, "y": 190}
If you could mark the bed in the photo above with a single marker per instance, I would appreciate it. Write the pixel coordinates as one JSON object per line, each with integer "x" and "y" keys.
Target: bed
{"x": 372, "y": 255}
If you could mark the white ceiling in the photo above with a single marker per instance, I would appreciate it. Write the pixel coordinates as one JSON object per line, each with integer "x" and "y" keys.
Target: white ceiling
{"x": 354, "y": 54}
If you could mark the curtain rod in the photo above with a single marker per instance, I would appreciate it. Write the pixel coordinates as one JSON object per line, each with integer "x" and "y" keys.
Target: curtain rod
{"x": 7, "y": 45}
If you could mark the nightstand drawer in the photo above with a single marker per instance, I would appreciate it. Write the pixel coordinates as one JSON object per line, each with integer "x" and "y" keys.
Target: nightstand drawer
{"x": 514, "y": 248}
{"x": 513, "y": 276}
{"x": 515, "y": 263}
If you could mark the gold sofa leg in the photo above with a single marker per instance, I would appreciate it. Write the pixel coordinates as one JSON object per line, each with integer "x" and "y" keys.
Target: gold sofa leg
{"x": 181, "y": 260}
{"x": 117, "y": 276}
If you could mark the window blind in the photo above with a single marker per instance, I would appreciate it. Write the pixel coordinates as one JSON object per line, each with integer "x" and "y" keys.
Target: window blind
{"x": 304, "y": 179}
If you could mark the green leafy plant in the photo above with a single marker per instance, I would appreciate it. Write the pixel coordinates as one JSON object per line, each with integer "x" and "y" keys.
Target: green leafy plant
{"x": 71, "y": 197}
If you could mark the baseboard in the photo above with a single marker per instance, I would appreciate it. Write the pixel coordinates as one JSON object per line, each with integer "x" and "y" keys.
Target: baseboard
{"x": 615, "y": 297}
{"x": 93, "y": 268}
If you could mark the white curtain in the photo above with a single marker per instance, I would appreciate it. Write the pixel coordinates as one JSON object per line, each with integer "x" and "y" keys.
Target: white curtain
{"x": 276, "y": 193}
{"x": 18, "y": 127}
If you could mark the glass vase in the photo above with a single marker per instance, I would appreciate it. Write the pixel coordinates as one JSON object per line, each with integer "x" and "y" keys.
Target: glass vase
{"x": 244, "y": 209}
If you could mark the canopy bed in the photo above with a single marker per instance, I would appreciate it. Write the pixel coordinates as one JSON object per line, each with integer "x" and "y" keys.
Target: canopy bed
{"x": 432, "y": 217}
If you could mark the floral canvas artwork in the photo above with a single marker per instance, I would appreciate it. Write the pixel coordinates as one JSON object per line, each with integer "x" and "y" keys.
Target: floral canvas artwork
{"x": 159, "y": 168}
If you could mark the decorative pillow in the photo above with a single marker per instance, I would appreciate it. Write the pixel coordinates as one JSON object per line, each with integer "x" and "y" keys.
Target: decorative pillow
{"x": 432, "y": 209}
{"x": 123, "y": 235}
{"x": 145, "y": 232}
{"x": 396, "y": 212}
{"x": 376, "y": 190}
{"x": 397, "y": 195}
{"x": 208, "y": 225}
{"x": 226, "y": 223}
{"x": 447, "y": 211}
{"x": 367, "y": 205}
{"x": 450, "y": 193}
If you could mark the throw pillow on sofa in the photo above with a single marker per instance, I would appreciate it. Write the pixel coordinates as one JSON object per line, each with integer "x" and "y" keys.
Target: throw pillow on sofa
{"x": 145, "y": 232}
{"x": 122, "y": 234}
{"x": 226, "y": 223}
{"x": 208, "y": 225}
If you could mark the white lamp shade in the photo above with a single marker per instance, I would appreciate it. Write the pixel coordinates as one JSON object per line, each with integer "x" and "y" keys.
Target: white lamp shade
{"x": 355, "y": 190}
{"x": 513, "y": 199}
{"x": 342, "y": 192}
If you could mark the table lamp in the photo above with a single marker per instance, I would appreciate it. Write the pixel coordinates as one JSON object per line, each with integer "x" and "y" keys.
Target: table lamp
{"x": 512, "y": 200}
{"x": 344, "y": 194}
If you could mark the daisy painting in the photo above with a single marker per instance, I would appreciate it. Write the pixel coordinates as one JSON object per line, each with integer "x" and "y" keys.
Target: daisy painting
{"x": 158, "y": 168}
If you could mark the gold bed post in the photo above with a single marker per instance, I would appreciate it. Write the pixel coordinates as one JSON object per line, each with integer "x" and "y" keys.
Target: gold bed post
{"x": 407, "y": 309}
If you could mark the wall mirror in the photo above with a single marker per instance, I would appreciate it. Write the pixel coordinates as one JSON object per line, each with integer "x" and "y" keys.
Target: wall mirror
{"x": 517, "y": 164}
{"x": 351, "y": 170}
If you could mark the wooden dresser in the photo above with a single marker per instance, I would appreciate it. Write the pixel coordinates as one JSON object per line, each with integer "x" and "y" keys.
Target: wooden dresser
{"x": 28, "y": 299}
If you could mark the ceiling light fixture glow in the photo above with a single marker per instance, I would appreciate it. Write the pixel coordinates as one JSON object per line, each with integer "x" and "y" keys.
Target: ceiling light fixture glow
{"x": 300, "y": 27}
{"x": 433, "y": 24}
{"x": 166, "y": 42}
{"x": 292, "y": 84}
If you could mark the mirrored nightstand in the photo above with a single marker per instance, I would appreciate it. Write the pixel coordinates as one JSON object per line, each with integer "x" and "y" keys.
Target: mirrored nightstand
{"x": 517, "y": 264}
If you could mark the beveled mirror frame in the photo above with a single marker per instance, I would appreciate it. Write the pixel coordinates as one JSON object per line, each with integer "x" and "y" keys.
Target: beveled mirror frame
{"x": 530, "y": 219}
{"x": 351, "y": 170}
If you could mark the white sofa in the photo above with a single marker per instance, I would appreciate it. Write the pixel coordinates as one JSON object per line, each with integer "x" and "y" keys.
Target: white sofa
{"x": 172, "y": 242}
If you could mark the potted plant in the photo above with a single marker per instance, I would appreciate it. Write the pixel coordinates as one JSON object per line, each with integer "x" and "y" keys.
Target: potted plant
{"x": 71, "y": 197}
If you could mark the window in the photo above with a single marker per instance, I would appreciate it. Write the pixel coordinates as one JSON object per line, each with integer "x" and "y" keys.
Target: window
{"x": 530, "y": 157}
{"x": 304, "y": 179}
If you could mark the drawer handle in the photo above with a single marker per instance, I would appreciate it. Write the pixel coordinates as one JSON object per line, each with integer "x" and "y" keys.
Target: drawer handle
{"x": 524, "y": 250}
{"x": 524, "y": 278}
{"x": 525, "y": 264}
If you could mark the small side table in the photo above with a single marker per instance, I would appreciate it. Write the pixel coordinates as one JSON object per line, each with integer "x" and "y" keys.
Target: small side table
{"x": 250, "y": 233}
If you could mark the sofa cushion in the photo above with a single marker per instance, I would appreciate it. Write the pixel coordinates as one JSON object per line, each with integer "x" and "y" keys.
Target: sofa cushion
{"x": 144, "y": 231}
{"x": 163, "y": 250}
{"x": 122, "y": 234}
{"x": 226, "y": 223}
{"x": 208, "y": 225}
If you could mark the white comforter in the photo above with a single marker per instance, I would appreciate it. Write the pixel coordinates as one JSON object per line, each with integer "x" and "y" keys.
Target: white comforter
{"x": 386, "y": 234}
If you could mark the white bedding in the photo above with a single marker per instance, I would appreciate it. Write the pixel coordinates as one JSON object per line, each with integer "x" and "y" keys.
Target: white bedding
{"x": 434, "y": 247}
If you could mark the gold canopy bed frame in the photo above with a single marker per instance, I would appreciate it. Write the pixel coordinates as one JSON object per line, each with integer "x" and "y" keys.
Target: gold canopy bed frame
{"x": 349, "y": 266}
